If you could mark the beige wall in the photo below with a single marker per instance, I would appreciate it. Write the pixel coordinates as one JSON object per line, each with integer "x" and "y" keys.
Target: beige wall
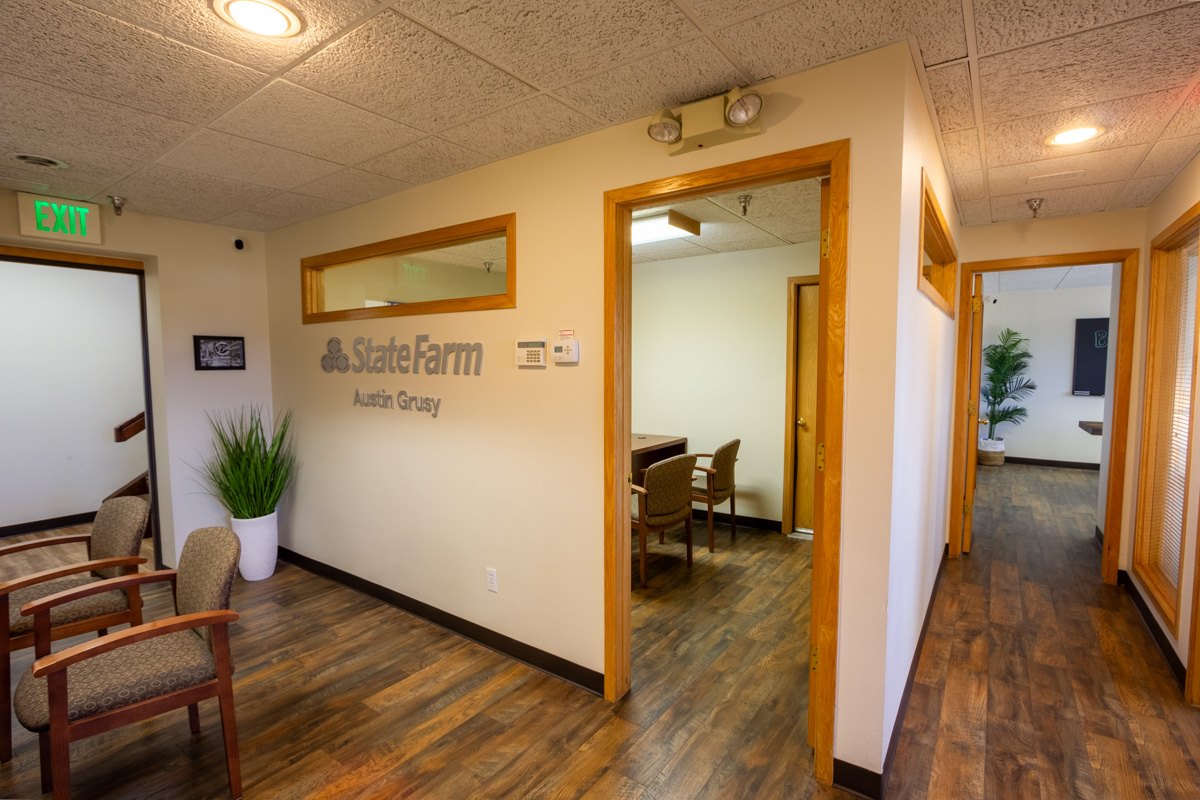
{"x": 710, "y": 360}
{"x": 510, "y": 474}
{"x": 196, "y": 283}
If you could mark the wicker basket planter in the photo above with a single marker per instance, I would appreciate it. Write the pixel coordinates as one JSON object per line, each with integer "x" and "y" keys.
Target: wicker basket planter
{"x": 990, "y": 453}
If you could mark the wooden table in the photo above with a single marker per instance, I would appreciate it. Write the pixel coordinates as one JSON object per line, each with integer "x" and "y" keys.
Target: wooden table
{"x": 646, "y": 449}
{"x": 1094, "y": 428}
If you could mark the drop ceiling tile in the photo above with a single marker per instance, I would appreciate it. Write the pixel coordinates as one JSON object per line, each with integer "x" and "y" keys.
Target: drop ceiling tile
{"x": 733, "y": 231}
{"x": 352, "y": 186}
{"x": 1032, "y": 280}
{"x": 290, "y": 116}
{"x": 938, "y": 25}
{"x": 19, "y": 185}
{"x": 1128, "y": 121}
{"x": 715, "y": 13}
{"x": 250, "y": 220}
{"x": 1088, "y": 276}
{"x": 666, "y": 79}
{"x": 75, "y": 48}
{"x": 76, "y": 185}
{"x": 962, "y": 148}
{"x": 1102, "y": 166}
{"x": 951, "y": 91}
{"x": 760, "y": 242}
{"x": 550, "y": 44}
{"x": 803, "y": 236}
{"x": 702, "y": 210}
{"x": 446, "y": 257}
{"x": 528, "y": 125}
{"x": 643, "y": 259}
{"x": 1187, "y": 121}
{"x": 196, "y": 24}
{"x": 173, "y": 192}
{"x": 969, "y": 185}
{"x": 1121, "y": 60}
{"x": 1141, "y": 192}
{"x": 51, "y": 116}
{"x": 401, "y": 70}
{"x": 661, "y": 250}
{"x": 1056, "y": 202}
{"x": 1168, "y": 157}
{"x": 220, "y": 154}
{"x": 296, "y": 207}
{"x": 476, "y": 252}
{"x": 975, "y": 212}
{"x": 424, "y": 161}
{"x": 1007, "y": 24}
{"x": 783, "y": 210}
{"x": 86, "y": 169}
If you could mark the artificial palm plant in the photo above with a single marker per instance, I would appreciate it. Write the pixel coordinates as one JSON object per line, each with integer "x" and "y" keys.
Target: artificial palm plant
{"x": 1006, "y": 361}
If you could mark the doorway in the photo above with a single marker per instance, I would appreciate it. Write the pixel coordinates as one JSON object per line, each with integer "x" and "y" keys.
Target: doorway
{"x": 800, "y": 421}
{"x": 967, "y": 393}
{"x": 121, "y": 424}
{"x": 815, "y": 162}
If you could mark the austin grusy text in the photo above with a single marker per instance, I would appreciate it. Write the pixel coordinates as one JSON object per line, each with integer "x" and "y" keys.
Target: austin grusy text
{"x": 403, "y": 401}
{"x": 465, "y": 358}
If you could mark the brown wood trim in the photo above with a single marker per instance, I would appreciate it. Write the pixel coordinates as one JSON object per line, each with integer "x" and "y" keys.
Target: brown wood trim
{"x": 1118, "y": 441}
{"x": 312, "y": 282}
{"x": 943, "y": 249}
{"x": 1174, "y": 234}
{"x": 47, "y": 541}
{"x": 81, "y": 259}
{"x": 961, "y": 433}
{"x": 814, "y": 699}
{"x": 104, "y": 644}
{"x": 130, "y": 428}
{"x": 831, "y": 159}
{"x": 789, "y": 424}
{"x": 74, "y": 569}
{"x": 972, "y": 454}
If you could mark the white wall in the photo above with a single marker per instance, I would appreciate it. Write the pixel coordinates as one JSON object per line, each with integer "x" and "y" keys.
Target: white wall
{"x": 921, "y": 364}
{"x": 73, "y": 365}
{"x": 510, "y": 474}
{"x": 196, "y": 283}
{"x": 710, "y": 359}
{"x": 1047, "y": 319}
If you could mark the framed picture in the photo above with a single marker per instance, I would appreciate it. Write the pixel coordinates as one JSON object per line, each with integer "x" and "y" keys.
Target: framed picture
{"x": 220, "y": 352}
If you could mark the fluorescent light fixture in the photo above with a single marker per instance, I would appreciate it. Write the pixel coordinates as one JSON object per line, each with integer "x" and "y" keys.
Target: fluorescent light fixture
{"x": 1075, "y": 135}
{"x": 742, "y": 108}
{"x": 262, "y": 17}
{"x": 661, "y": 227}
{"x": 664, "y": 127}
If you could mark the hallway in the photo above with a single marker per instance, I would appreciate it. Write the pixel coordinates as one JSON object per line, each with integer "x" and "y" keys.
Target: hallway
{"x": 1036, "y": 680}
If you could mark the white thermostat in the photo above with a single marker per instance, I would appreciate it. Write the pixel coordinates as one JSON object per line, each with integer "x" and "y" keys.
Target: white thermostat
{"x": 565, "y": 351}
{"x": 531, "y": 353}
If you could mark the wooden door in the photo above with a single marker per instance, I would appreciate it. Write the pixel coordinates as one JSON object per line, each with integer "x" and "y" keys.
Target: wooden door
{"x": 807, "y": 317}
{"x": 973, "y": 420}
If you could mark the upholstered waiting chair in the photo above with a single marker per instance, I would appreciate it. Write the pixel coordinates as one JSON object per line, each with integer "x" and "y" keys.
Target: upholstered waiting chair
{"x": 664, "y": 502}
{"x": 719, "y": 485}
{"x": 113, "y": 547}
{"x": 135, "y": 674}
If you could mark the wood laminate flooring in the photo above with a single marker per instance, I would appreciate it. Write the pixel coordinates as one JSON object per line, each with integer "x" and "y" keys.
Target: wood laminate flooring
{"x": 1036, "y": 680}
{"x": 341, "y": 696}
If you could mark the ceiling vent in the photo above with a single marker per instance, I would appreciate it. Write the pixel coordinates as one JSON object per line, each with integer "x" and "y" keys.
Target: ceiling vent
{"x": 38, "y": 161}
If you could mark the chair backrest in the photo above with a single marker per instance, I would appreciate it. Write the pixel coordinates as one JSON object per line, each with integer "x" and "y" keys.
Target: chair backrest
{"x": 669, "y": 485}
{"x": 207, "y": 567}
{"x": 117, "y": 532}
{"x": 724, "y": 457}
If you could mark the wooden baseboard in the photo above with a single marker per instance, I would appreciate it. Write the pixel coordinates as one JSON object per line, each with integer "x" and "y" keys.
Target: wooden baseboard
{"x": 1174, "y": 662}
{"x": 557, "y": 666}
{"x": 743, "y": 522}
{"x": 47, "y": 524}
{"x": 857, "y": 780}
{"x": 1100, "y": 536}
{"x": 1041, "y": 462}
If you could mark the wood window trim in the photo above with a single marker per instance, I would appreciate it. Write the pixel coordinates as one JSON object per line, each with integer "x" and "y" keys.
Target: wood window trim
{"x": 934, "y": 238}
{"x": 1122, "y": 381}
{"x": 831, "y": 159}
{"x": 312, "y": 272}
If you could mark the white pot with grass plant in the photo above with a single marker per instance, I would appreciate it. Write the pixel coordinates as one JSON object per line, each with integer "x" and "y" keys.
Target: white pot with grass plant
{"x": 251, "y": 467}
{"x": 1006, "y": 362}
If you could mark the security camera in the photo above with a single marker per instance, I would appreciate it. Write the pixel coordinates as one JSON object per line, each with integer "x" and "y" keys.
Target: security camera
{"x": 995, "y": 300}
{"x": 239, "y": 243}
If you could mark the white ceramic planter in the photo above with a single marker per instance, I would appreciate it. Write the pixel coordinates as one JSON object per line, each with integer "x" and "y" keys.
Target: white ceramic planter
{"x": 260, "y": 545}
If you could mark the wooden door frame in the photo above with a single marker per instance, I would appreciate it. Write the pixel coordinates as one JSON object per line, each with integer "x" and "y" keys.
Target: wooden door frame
{"x": 60, "y": 258}
{"x": 831, "y": 159}
{"x": 1122, "y": 381}
{"x": 789, "y": 427}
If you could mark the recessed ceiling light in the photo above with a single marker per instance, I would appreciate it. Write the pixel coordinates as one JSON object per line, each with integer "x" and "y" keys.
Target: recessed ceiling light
{"x": 1075, "y": 135}
{"x": 263, "y": 17}
{"x": 39, "y": 161}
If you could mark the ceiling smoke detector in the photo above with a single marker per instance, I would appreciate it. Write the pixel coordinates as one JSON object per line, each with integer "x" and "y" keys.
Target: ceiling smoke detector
{"x": 45, "y": 162}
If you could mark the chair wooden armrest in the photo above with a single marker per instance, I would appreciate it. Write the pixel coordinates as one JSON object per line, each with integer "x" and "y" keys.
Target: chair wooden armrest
{"x": 637, "y": 489}
{"x": 44, "y": 542}
{"x": 709, "y": 470}
{"x": 80, "y": 652}
{"x": 73, "y": 569}
{"x": 702, "y": 455}
{"x": 123, "y": 582}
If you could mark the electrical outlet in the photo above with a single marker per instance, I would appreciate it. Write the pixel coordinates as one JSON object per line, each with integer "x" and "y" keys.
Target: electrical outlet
{"x": 493, "y": 586}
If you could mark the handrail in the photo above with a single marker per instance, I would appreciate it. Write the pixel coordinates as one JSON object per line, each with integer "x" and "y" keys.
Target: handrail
{"x": 130, "y": 428}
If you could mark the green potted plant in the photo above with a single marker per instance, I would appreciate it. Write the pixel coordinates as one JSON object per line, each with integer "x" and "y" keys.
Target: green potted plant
{"x": 1006, "y": 363}
{"x": 252, "y": 465}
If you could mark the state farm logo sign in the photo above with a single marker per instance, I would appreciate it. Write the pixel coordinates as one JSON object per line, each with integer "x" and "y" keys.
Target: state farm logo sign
{"x": 461, "y": 358}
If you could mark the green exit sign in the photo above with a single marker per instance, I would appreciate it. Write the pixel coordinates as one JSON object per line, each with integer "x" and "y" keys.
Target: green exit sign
{"x": 57, "y": 218}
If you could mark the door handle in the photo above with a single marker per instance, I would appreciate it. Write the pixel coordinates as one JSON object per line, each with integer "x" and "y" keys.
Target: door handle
{"x": 803, "y": 423}
{"x": 983, "y": 422}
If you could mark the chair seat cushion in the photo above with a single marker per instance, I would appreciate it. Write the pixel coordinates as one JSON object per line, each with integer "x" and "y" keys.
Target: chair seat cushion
{"x": 97, "y": 605}
{"x": 119, "y": 678}
{"x": 659, "y": 519}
